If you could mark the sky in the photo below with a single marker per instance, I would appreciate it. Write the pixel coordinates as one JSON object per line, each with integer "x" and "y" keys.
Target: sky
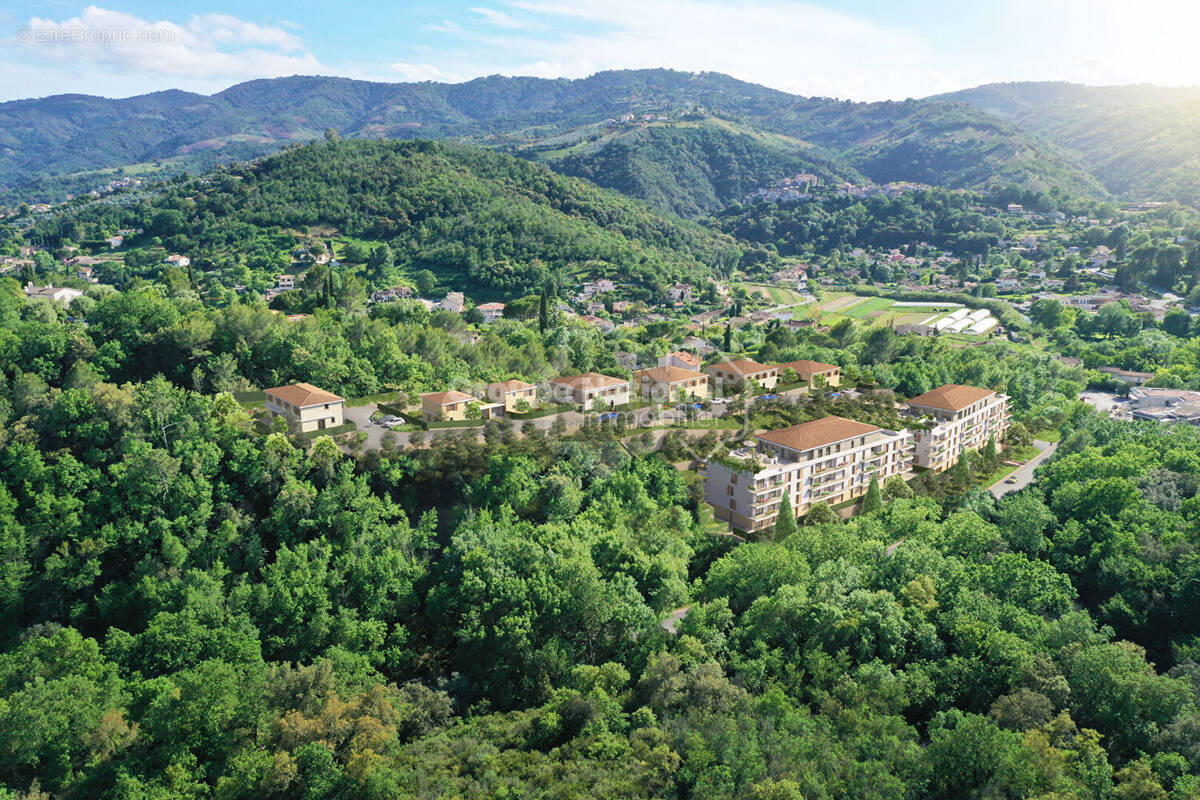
{"x": 855, "y": 49}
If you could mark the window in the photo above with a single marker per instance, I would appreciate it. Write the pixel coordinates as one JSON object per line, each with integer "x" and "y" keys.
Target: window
{"x": 733, "y": 505}
{"x": 729, "y": 489}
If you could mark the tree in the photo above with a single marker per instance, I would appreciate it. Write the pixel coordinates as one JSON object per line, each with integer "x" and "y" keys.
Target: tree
{"x": 961, "y": 471}
{"x": 821, "y": 514}
{"x": 895, "y": 488}
{"x": 426, "y": 282}
{"x": 990, "y": 457}
{"x": 543, "y": 313}
{"x": 728, "y": 340}
{"x": 785, "y": 520}
{"x": 873, "y": 499}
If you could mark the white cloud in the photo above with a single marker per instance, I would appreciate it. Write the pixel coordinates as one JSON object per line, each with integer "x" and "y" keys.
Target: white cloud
{"x": 426, "y": 72}
{"x": 497, "y": 17}
{"x": 799, "y": 48}
{"x": 211, "y": 49}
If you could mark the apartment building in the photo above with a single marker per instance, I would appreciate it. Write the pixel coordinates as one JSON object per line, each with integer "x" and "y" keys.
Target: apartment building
{"x": 305, "y": 407}
{"x": 963, "y": 418}
{"x": 667, "y": 383}
{"x": 583, "y": 390}
{"x": 511, "y": 393}
{"x": 730, "y": 375}
{"x": 807, "y": 370}
{"x": 827, "y": 460}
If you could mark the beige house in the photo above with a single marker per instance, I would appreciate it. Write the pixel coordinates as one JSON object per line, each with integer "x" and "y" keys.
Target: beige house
{"x": 583, "y": 390}
{"x": 807, "y": 370}
{"x": 730, "y": 375}
{"x": 510, "y": 393}
{"x": 829, "y": 460}
{"x": 665, "y": 384}
{"x": 680, "y": 358}
{"x": 305, "y": 407}
{"x": 963, "y": 417}
{"x": 448, "y": 406}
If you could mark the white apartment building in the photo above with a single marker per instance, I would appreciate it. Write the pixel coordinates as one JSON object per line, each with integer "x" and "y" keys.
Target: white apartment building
{"x": 827, "y": 460}
{"x": 963, "y": 417}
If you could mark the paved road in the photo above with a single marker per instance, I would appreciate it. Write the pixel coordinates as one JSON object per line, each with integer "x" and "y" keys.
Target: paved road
{"x": 1024, "y": 473}
{"x": 673, "y": 618}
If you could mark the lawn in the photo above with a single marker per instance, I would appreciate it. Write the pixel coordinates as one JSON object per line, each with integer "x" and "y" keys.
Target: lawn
{"x": 860, "y": 310}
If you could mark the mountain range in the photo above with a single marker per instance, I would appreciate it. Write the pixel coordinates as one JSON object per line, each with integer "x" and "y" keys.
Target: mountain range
{"x": 686, "y": 142}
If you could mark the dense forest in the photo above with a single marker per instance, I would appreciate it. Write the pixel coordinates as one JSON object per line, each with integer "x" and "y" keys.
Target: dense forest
{"x": 475, "y": 218}
{"x": 193, "y": 608}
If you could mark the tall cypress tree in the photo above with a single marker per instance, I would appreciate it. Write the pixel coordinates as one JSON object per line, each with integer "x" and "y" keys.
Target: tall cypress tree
{"x": 785, "y": 520}
{"x": 728, "y": 337}
{"x": 543, "y": 313}
{"x": 873, "y": 499}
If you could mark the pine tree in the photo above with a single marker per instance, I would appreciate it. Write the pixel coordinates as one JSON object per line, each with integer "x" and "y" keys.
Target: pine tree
{"x": 873, "y": 499}
{"x": 785, "y": 520}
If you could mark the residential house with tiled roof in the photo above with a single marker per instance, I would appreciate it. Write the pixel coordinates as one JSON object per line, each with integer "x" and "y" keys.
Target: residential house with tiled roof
{"x": 584, "y": 390}
{"x": 730, "y": 375}
{"x": 807, "y": 370}
{"x": 670, "y": 383}
{"x": 512, "y": 393}
{"x": 305, "y": 407}
{"x": 449, "y": 406}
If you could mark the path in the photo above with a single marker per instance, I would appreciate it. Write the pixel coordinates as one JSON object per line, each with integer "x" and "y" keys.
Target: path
{"x": 1024, "y": 474}
{"x": 673, "y": 618}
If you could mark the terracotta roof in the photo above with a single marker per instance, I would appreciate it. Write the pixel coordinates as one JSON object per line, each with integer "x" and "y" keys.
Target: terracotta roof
{"x": 670, "y": 374}
{"x": 511, "y": 386}
{"x": 686, "y": 357}
{"x": 818, "y": 433}
{"x": 588, "y": 380}
{"x": 805, "y": 367}
{"x": 445, "y": 398}
{"x": 742, "y": 366}
{"x": 490, "y": 306}
{"x": 303, "y": 395}
{"x": 951, "y": 397}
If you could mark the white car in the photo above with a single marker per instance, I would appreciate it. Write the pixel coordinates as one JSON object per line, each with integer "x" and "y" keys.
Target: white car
{"x": 720, "y": 401}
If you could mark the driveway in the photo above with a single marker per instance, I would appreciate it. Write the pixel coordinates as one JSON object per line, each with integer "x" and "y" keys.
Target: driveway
{"x": 1024, "y": 473}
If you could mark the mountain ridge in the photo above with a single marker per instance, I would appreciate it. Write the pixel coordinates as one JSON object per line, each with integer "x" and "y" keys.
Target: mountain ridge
{"x": 44, "y": 143}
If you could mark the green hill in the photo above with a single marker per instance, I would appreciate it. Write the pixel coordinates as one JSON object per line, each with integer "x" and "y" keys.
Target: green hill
{"x": 56, "y": 144}
{"x": 1139, "y": 141}
{"x": 479, "y": 219}
{"x": 691, "y": 167}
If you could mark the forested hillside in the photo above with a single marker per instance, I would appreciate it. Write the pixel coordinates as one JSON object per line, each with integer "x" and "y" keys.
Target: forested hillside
{"x": 690, "y": 167}
{"x": 1139, "y": 141}
{"x": 195, "y": 608}
{"x": 42, "y": 142}
{"x": 476, "y": 218}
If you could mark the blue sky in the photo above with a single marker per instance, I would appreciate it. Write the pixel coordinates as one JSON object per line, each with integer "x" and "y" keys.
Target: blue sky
{"x": 857, "y": 49}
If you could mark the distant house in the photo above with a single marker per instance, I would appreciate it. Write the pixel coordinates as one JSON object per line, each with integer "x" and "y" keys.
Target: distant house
{"x": 491, "y": 311}
{"x": 1102, "y": 255}
{"x": 453, "y": 301}
{"x": 1128, "y": 375}
{"x": 511, "y": 393}
{"x": 680, "y": 358}
{"x": 679, "y": 293}
{"x": 730, "y": 375}
{"x": 605, "y": 325}
{"x": 305, "y": 407}
{"x": 57, "y": 294}
{"x": 86, "y": 274}
{"x": 701, "y": 346}
{"x": 115, "y": 241}
{"x": 177, "y": 260}
{"x": 808, "y": 370}
{"x": 583, "y": 390}
{"x": 391, "y": 295}
{"x": 445, "y": 406}
{"x": 666, "y": 383}
{"x": 285, "y": 282}
{"x": 627, "y": 361}
{"x": 1015, "y": 208}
